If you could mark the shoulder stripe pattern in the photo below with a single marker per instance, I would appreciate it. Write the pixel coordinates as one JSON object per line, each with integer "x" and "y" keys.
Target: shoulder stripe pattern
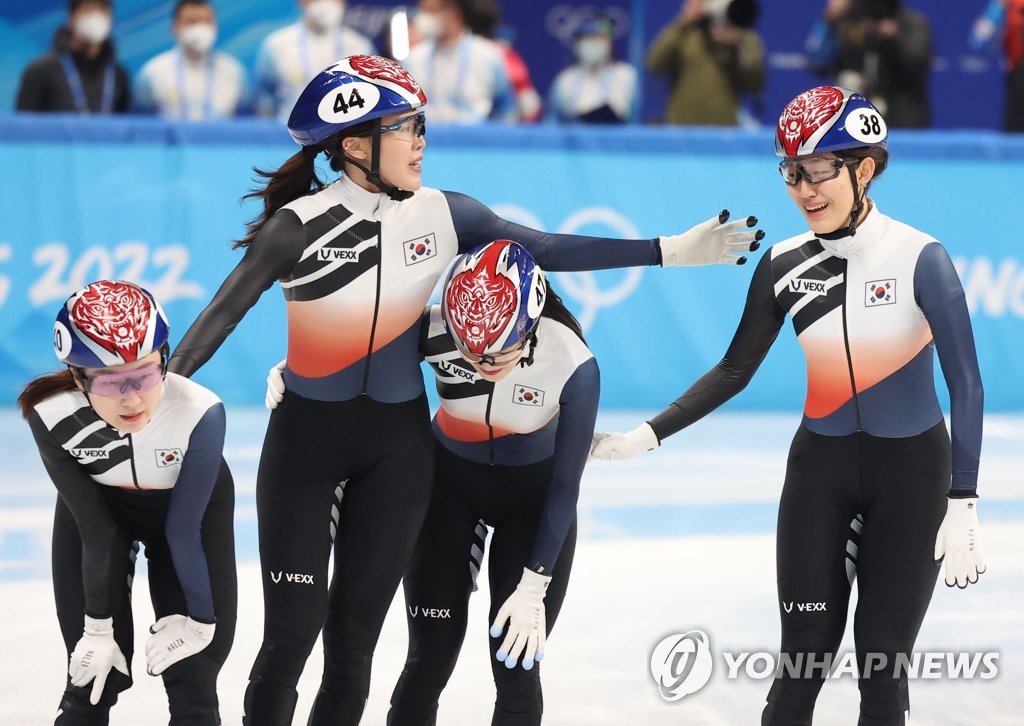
{"x": 344, "y": 248}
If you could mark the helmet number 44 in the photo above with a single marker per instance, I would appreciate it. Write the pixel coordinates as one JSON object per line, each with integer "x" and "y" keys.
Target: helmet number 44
{"x": 351, "y": 101}
{"x": 354, "y": 101}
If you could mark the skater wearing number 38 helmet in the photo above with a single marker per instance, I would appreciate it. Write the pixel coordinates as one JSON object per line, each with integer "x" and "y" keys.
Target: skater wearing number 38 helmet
{"x": 874, "y": 489}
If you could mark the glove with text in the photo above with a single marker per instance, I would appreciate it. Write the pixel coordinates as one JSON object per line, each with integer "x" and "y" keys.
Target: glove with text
{"x": 711, "y": 242}
{"x": 175, "y": 638}
{"x": 94, "y": 655}
{"x": 275, "y": 385}
{"x": 527, "y": 628}
{"x": 609, "y": 446}
{"x": 958, "y": 543}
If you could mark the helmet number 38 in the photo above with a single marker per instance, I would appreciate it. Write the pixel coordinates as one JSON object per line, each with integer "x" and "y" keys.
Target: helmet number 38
{"x": 349, "y": 102}
{"x": 866, "y": 126}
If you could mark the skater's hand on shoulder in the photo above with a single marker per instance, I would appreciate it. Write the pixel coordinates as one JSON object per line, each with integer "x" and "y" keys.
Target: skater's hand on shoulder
{"x": 94, "y": 655}
{"x": 275, "y": 385}
{"x": 175, "y": 637}
{"x": 609, "y": 446}
{"x": 527, "y": 627}
{"x": 716, "y": 241}
{"x": 958, "y": 543}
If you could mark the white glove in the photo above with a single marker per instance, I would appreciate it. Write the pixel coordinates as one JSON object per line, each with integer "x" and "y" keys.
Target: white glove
{"x": 94, "y": 655}
{"x": 609, "y": 446}
{"x": 959, "y": 542}
{"x": 175, "y": 637}
{"x": 275, "y": 386}
{"x": 711, "y": 242}
{"x": 527, "y": 629}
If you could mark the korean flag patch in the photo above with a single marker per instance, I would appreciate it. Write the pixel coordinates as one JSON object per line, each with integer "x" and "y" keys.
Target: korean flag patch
{"x": 526, "y": 396}
{"x": 419, "y": 249}
{"x": 880, "y": 292}
{"x": 168, "y": 457}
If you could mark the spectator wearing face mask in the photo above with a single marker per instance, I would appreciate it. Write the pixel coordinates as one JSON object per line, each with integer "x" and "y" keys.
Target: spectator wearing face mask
{"x": 80, "y": 73}
{"x": 191, "y": 81}
{"x": 597, "y": 88}
{"x": 463, "y": 74}
{"x": 290, "y": 57}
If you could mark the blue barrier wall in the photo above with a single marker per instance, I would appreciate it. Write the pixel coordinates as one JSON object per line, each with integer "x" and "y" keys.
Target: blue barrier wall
{"x": 159, "y": 203}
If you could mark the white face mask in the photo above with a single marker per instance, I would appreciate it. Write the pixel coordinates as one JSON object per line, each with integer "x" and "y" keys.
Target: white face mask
{"x": 427, "y": 25}
{"x": 93, "y": 26}
{"x": 593, "y": 51}
{"x": 324, "y": 14}
{"x": 198, "y": 37}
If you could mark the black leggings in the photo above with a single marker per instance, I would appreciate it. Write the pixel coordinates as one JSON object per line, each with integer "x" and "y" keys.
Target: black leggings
{"x": 191, "y": 684}
{"x": 439, "y": 582}
{"x": 867, "y": 506}
{"x": 355, "y": 474}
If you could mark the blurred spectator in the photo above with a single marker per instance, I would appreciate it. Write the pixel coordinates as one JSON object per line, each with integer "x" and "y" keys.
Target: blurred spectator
{"x": 80, "y": 73}
{"x": 1004, "y": 20}
{"x": 711, "y": 61}
{"x": 290, "y": 57}
{"x": 881, "y": 49}
{"x": 191, "y": 81}
{"x": 484, "y": 19}
{"x": 597, "y": 88}
{"x": 463, "y": 74}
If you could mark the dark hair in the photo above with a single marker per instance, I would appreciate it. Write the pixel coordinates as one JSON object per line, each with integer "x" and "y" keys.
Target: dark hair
{"x": 482, "y": 17}
{"x": 880, "y": 155}
{"x": 45, "y": 386}
{"x": 743, "y": 13}
{"x": 182, "y": 3}
{"x": 73, "y": 5}
{"x": 295, "y": 178}
{"x": 555, "y": 309}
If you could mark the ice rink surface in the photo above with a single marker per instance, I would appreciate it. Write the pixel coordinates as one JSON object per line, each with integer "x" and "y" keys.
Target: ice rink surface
{"x": 681, "y": 539}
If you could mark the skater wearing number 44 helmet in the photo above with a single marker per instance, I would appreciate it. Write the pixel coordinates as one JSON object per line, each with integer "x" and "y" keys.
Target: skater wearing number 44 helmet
{"x": 874, "y": 489}
{"x": 135, "y": 456}
{"x": 519, "y": 391}
{"x": 348, "y": 459}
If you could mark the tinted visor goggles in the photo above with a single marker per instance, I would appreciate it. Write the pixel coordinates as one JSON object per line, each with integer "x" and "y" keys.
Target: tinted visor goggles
{"x": 116, "y": 384}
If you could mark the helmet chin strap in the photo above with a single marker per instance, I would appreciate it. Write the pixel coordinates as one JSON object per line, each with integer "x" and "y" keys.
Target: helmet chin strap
{"x": 373, "y": 173}
{"x": 850, "y": 229}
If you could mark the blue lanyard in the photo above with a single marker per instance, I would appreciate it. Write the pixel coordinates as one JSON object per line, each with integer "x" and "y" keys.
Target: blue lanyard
{"x": 451, "y": 94}
{"x": 78, "y": 92}
{"x": 179, "y": 69}
{"x": 307, "y": 68}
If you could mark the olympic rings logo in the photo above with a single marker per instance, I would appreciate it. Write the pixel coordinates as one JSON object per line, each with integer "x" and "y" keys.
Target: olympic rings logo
{"x": 583, "y": 287}
{"x": 561, "y": 20}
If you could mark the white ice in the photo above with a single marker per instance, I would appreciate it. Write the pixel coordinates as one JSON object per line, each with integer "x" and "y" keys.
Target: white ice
{"x": 679, "y": 540}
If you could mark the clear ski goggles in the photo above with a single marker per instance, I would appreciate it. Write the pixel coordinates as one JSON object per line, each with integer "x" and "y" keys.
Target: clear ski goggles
{"x": 409, "y": 128}
{"x": 117, "y": 384}
{"x": 814, "y": 169}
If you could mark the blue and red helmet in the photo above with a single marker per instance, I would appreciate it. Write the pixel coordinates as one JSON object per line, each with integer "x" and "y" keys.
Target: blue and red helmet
{"x": 828, "y": 118}
{"x": 108, "y": 323}
{"x": 356, "y": 89}
{"x": 492, "y": 298}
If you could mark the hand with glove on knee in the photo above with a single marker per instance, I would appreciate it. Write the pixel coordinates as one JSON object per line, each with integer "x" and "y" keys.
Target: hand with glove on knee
{"x": 95, "y": 654}
{"x": 175, "y": 637}
{"x": 609, "y": 446}
{"x": 275, "y": 386}
{"x": 527, "y": 627}
{"x": 716, "y": 241}
{"x": 958, "y": 543}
